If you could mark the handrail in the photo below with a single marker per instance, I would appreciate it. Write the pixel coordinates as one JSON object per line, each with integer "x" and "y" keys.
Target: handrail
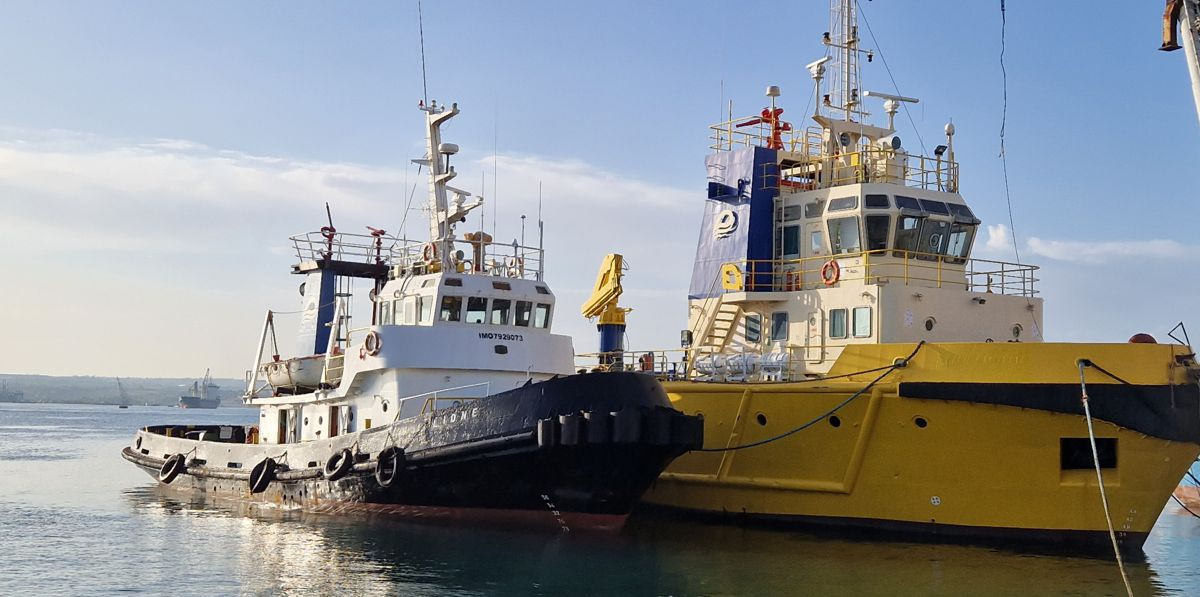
{"x": 907, "y": 267}
{"x": 432, "y": 396}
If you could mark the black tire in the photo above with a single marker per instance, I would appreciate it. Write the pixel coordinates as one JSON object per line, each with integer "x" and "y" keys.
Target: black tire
{"x": 171, "y": 468}
{"x": 261, "y": 475}
{"x": 338, "y": 465}
{"x": 388, "y": 466}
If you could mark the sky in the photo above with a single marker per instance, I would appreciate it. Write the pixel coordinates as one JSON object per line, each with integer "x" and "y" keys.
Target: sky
{"x": 155, "y": 156}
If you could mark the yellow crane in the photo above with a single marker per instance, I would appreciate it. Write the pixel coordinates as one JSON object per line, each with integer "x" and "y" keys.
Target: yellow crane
{"x": 603, "y": 304}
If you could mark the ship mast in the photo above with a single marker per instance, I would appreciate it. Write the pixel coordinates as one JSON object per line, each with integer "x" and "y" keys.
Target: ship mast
{"x": 1184, "y": 14}
{"x": 443, "y": 212}
{"x": 843, "y": 38}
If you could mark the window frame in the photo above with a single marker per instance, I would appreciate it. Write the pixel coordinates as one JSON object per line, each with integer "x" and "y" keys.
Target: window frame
{"x": 779, "y": 321}
{"x": 845, "y": 323}
{"x": 455, "y": 315}
{"x": 854, "y": 323}
{"x": 482, "y": 311}
{"x": 757, "y": 336}
{"x": 493, "y": 309}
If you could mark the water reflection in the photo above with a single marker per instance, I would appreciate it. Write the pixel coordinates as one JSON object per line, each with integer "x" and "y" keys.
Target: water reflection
{"x": 292, "y": 552}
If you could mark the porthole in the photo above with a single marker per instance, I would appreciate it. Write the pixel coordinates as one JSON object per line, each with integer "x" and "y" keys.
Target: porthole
{"x": 761, "y": 418}
{"x": 835, "y": 421}
{"x": 385, "y": 406}
{"x": 1016, "y": 331}
{"x": 138, "y": 444}
{"x": 306, "y": 420}
{"x": 320, "y": 420}
{"x": 929, "y": 323}
{"x": 920, "y": 422}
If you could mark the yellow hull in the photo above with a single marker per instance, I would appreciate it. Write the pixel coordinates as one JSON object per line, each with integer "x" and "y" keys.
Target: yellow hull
{"x": 986, "y": 456}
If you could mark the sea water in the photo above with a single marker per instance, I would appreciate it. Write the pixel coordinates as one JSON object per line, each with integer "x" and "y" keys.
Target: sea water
{"x": 76, "y": 519}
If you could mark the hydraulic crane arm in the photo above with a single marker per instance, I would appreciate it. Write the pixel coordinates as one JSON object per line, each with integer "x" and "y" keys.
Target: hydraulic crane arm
{"x": 603, "y": 302}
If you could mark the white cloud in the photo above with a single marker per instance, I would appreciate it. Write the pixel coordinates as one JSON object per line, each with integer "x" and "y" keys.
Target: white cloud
{"x": 999, "y": 239}
{"x": 186, "y": 240}
{"x": 1110, "y": 251}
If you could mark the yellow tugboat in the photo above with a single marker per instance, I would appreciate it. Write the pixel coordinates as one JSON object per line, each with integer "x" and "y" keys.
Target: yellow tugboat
{"x": 856, "y": 367}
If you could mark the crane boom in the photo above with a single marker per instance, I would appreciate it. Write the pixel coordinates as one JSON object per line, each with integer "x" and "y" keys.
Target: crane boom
{"x": 1181, "y": 19}
{"x": 607, "y": 289}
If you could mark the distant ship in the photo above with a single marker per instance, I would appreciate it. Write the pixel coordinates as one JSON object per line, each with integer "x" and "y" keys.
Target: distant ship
{"x": 204, "y": 394}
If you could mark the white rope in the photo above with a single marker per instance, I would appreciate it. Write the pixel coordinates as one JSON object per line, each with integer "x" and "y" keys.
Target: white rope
{"x": 1087, "y": 412}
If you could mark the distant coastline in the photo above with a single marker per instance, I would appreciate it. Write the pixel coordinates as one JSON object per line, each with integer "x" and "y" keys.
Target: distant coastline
{"x": 152, "y": 391}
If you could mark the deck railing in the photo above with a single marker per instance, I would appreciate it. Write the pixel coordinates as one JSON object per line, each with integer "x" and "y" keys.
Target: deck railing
{"x": 884, "y": 265}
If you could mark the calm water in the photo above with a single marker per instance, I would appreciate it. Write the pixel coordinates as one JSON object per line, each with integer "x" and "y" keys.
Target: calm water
{"x": 77, "y": 519}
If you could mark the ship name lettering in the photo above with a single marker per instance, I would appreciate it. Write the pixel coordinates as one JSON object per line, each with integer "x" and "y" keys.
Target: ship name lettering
{"x": 499, "y": 336}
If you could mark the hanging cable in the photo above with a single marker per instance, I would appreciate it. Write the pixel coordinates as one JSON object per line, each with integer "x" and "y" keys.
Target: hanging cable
{"x": 882, "y": 59}
{"x": 899, "y": 364}
{"x": 1087, "y": 413}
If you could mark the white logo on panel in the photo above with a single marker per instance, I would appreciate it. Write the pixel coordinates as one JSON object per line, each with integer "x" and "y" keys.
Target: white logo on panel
{"x": 725, "y": 224}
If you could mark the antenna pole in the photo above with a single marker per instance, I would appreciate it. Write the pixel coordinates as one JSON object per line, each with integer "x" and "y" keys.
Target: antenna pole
{"x": 421, "y": 28}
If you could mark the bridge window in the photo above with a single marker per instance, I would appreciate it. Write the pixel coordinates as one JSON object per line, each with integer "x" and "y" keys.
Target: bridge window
{"x": 524, "y": 311}
{"x": 541, "y": 316}
{"x": 877, "y": 231}
{"x": 399, "y": 312}
{"x": 960, "y": 210}
{"x": 500, "y": 308}
{"x": 451, "y": 308}
{"x": 476, "y": 309}
{"x": 960, "y": 242}
{"x": 934, "y": 207}
{"x": 779, "y": 325}
{"x": 791, "y": 212}
{"x": 501, "y": 285}
{"x": 452, "y": 281}
{"x": 410, "y": 306}
{"x": 862, "y": 322}
{"x": 791, "y": 241}
{"x": 903, "y": 202}
{"x": 876, "y": 202}
{"x": 425, "y": 308}
{"x": 837, "y": 323}
{"x": 753, "y": 328}
{"x": 816, "y": 241}
{"x": 843, "y": 203}
{"x": 385, "y": 313}
{"x": 935, "y": 235}
{"x": 844, "y": 235}
{"x": 908, "y": 231}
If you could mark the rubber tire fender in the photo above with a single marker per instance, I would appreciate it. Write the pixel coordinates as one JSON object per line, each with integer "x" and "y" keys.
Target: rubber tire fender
{"x": 338, "y": 465}
{"x": 171, "y": 468}
{"x": 262, "y": 474}
{"x": 393, "y": 458}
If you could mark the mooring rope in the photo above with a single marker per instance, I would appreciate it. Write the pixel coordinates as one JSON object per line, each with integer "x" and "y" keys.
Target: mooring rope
{"x": 1087, "y": 412}
{"x": 899, "y": 364}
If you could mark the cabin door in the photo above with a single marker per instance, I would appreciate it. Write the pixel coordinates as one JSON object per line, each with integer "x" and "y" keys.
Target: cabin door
{"x": 335, "y": 424}
{"x": 813, "y": 245}
{"x": 288, "y": 427}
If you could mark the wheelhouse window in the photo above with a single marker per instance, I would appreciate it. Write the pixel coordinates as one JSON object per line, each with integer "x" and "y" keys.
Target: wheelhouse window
{"x": 903, "y": 202}
{"x": 791, "y": 241}
{"x": 908, "y": 233}
{"x": 410, "y": 310}
{"x": 959, "y": 248}
{"x": 476, "y": 309}
{"x": 843, "y": 203}
{"x": 877, "y": 231}
{"x": 500, "y": 309}
{"x": 524, "y": 313}
{"x": 837, "y": 323}
{"x": 541, "y": 316}
{"x": 425, "y": 308}
{"x": 451, "y": 308}
{"x": 399, "y": 316}
{"x": 753, "y": 328}
{"x": 385, "y": 313}
{"x": 792, "y": 212}
{"x": 935, "y": 235}
{"x": 816, "y": 242}
{"x": 862, "y": 322}
{"x": 779, "y": 325}
{"x": 844, "y": 235}
{"x": 876, "y": 202}
{"x": 935, "y": 207}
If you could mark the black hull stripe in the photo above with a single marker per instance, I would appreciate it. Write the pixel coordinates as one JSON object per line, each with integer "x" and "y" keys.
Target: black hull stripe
{"x": 1163, "y": 411}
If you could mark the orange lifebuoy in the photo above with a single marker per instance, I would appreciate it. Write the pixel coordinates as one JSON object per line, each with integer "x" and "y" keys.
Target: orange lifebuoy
{"x": 430, "y": 252}
{"x": 831, "y": 272}
{"x": 372, "y": 343}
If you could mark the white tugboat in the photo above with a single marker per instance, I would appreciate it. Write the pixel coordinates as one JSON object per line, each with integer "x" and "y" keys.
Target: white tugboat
{"x": 456, "y": 401}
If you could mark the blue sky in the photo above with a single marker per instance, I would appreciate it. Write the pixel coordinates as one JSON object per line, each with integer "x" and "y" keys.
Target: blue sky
{"x": 155, "y": 156}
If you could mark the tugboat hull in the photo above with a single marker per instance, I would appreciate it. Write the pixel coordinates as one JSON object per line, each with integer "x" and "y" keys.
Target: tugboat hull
{"x": 571, "y": 452}
{"x": 976, "y": 442}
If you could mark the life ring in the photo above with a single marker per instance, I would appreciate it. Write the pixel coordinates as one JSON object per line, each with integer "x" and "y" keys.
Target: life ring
{"x": 430, "y": 252}
{"x": 388, "y": 465}
{"x": 338, "y": 465}
{"x": 372, "y": 343}
{"x": 831, "y": 272}
{"x": 171, "y": 468}
{"x": 261, "y": 475}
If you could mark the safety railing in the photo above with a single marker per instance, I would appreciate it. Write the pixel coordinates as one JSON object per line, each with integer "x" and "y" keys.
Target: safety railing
{"x": 760, "y": 364}
{"x": 342, "y": 246}
{"x": 480, "y": 257}
{"x": 434, "y": 402}
{"x": 872, "y": 267}
{"x": 728, "y": 135}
